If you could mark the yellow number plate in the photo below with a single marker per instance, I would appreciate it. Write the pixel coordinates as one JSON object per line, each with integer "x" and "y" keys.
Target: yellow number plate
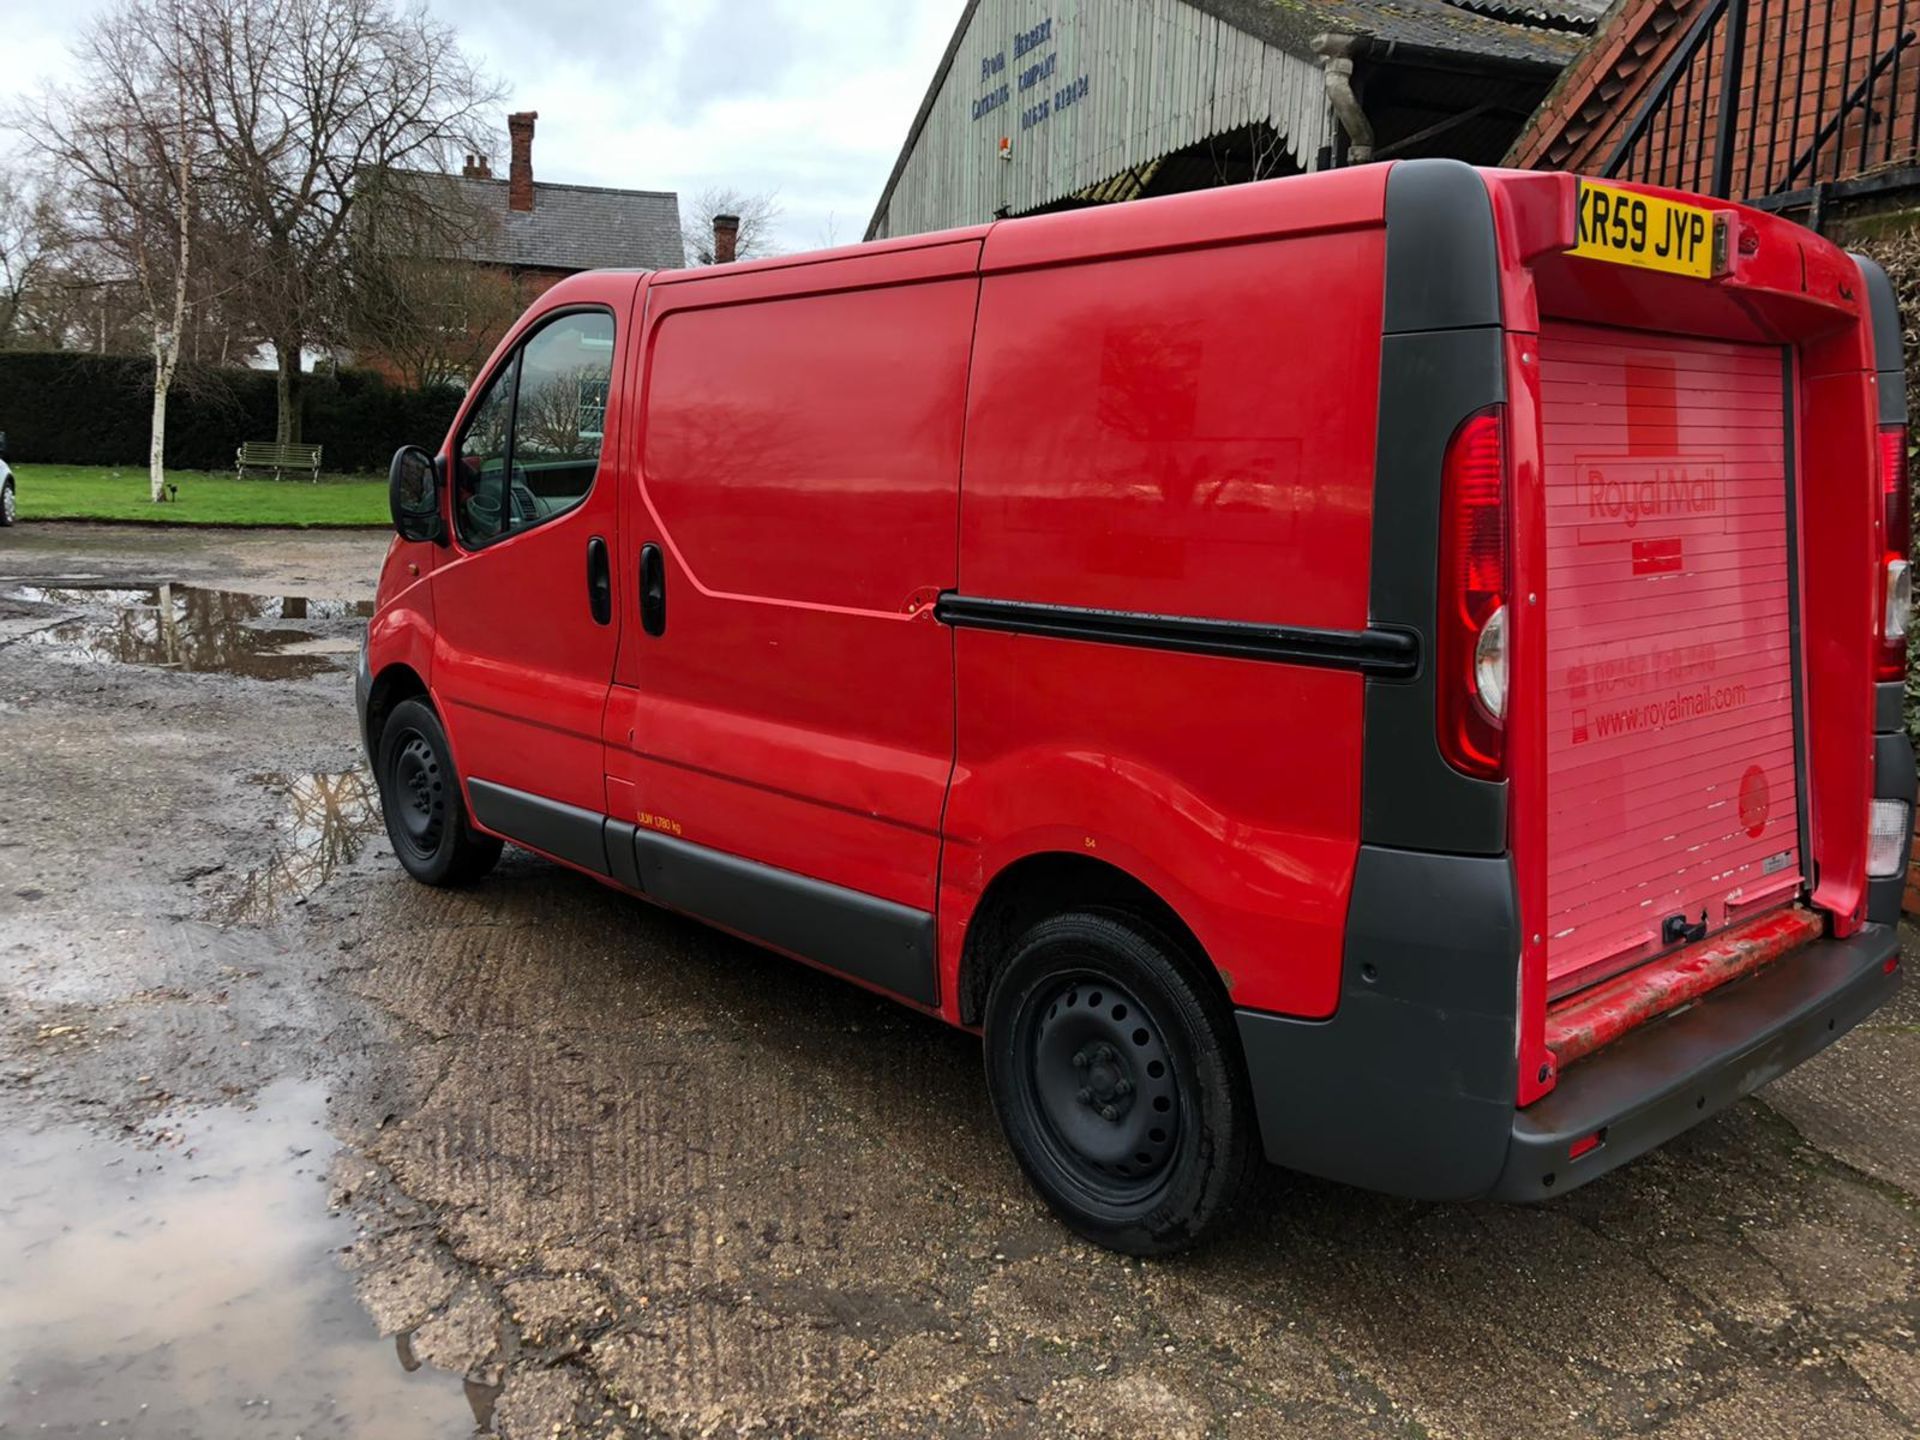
{"x": 1643, "y": 230}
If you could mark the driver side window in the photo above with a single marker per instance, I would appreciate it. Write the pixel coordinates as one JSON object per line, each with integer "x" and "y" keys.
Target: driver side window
{"x": 480, "y": 485}
{"x": 532, "y": 445}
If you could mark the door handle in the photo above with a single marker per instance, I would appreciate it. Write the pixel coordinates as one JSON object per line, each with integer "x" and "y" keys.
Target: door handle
{"x": 653, "y": 590}
{"x": 599, "y": 582}
{"x": 1674, "y": 929}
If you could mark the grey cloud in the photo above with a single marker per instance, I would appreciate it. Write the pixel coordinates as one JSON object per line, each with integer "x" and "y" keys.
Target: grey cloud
{"x": 733, "y": 50}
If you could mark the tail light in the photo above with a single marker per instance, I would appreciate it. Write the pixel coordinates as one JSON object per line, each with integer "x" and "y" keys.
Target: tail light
{"x": 1888, "y": 831}
{"x": 1470, "y": 650}
{"x": 1896, "y": 544}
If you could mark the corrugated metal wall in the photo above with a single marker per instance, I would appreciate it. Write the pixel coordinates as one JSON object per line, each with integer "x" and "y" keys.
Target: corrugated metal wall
{"x": 1158, "y": 76}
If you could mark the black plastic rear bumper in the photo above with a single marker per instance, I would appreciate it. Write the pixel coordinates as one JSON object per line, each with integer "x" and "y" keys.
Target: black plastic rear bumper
{"x": 1409, "y": 1087}
{"x": 1654, "y": 1082}
{"x": 1893, "y": 779}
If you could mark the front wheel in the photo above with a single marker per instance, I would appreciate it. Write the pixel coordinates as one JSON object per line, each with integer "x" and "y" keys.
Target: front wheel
{"x": 1115, "y": 1070}
{"x": 9, "y": 505}
{"x": 420, "y": 799}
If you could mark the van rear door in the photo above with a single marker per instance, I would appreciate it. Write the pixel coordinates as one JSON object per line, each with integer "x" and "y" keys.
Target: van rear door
{"x": 1675, "y": 794}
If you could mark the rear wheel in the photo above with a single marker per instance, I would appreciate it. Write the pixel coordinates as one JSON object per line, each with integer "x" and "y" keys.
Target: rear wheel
{"x": 1116, "y": 1073}
{"x": 420, "y": 799}
{"x": 8, "y": 504}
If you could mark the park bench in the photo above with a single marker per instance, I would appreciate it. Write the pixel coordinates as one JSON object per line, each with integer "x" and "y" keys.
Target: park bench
{"x": 267, "y": 455}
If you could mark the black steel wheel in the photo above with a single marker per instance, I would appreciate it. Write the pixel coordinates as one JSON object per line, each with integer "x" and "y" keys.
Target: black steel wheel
{"x": 420, "y": 799}
{"x": 1102, "y": 1080}
{"x": 1116, "y": 1072}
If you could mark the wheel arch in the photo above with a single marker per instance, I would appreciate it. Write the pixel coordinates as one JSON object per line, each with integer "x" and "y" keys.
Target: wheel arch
{"x": 1053, "y": 882}
{"x": 396, "y": 682}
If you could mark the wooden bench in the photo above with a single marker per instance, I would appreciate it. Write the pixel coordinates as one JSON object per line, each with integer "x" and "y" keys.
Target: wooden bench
{"x": 267, "y": 455}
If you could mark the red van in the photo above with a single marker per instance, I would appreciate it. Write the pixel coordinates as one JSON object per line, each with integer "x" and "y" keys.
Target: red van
{"x": 1397, "y": 669}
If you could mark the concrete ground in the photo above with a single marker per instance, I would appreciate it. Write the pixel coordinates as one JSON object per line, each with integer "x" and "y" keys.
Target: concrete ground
{"x": 594, "y": 1170}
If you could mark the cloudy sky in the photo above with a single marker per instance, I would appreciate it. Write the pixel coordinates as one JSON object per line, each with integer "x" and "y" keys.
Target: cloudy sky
{"x": 807, "y": 98}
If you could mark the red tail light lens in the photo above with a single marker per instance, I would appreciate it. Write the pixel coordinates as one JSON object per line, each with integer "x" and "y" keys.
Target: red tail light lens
{"x": 1470, "y": 650}
{"x": 1896, "y": 544}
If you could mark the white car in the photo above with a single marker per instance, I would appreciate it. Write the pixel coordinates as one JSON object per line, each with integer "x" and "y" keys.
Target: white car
{"x": 8, "y": 504}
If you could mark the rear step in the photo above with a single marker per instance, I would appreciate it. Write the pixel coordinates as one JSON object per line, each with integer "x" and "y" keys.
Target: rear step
{"x": 1596, "y": 1017}
{"x": 1651, "y": 1084}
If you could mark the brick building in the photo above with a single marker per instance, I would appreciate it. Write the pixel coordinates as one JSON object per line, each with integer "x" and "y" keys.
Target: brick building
{"x": 525, "y": 236}
{"x": 1807, "y": 107}
{"x": 545, "y": 232}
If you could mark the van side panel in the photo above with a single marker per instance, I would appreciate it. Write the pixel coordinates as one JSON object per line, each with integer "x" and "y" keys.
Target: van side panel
{"x": 1182, "y": 435}
{"x": 800, "y": 471}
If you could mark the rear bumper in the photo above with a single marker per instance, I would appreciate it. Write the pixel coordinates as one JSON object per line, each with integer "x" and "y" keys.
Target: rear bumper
{"x": 1409, "y": 1086}
{"x": 1893, "y": 779}
{"x": 1650, "y": 1085}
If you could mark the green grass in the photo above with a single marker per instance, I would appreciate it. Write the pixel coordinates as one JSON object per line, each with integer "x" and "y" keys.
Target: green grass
{"x": 85, "y": 492}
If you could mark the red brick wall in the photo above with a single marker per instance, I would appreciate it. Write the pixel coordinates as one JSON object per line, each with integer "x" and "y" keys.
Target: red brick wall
{"x": 526, "y": 286}
{"x": 1801, "y": 57}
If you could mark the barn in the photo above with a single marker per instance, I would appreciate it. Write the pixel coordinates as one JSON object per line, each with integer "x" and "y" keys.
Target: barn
{"x": 1036, "y": 107}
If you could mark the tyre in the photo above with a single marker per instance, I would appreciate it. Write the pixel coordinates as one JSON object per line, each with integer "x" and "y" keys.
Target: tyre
{"x": 1115, "y": 1069}
{"x": 420, "y": 799}
{"x": 9, "y": 504}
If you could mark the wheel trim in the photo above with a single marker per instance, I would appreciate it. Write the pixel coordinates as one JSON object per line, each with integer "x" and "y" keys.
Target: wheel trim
{"x": 1102, "y": 1086}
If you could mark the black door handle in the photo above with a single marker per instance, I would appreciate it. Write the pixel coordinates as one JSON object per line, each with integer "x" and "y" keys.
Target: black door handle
{"x": 1675, "y": 930}
{"x": 653, "y": 590}
{"x": 599, "y": 582}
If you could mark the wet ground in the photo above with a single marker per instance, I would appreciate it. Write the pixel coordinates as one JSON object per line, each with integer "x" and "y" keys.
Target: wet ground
{"x": 294, "y": 1147}
{"x": 182, "y": 1282}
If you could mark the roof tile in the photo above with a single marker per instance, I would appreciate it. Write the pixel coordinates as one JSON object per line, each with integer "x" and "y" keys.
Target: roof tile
{"x": 577, "y": 227}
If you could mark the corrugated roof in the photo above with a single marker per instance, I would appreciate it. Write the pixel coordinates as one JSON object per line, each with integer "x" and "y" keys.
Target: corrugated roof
{"x": 1524, "y": 30}
{"x": 576, "y": 227}
{"x": 1439, "y": 25}
{"x": 1581, "y": 15}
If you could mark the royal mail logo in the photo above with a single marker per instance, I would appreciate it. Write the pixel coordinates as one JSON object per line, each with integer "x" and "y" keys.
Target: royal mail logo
{"x": 1670, "y": 492}
{"x": 1620, "y": 498}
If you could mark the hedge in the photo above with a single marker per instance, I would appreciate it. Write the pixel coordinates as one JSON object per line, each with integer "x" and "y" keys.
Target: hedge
{"x": 65, "y": 408}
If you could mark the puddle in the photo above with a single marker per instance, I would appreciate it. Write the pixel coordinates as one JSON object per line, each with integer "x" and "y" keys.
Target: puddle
{"x": 326, "y": 822}
{"x": 187, "y": 627}
{"x": 190, "y": 1286}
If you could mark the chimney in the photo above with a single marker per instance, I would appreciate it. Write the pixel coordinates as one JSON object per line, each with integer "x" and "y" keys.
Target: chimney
{"x": 477, "y": 168}
{"x": 520, "y": 176}
{"x": 726, "y": 236}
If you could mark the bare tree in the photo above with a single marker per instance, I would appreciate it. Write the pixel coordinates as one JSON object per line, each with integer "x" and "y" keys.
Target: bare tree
{"x": 308, "y": 104}
{"x": 559, "y": 416}
{"x": 86, "y": 299}
{"x": 418, "y": 296}
{"x": 759, "y": 214}
{"x": 828, "y": 236}
{"x": 32, "y": 235}
{"x": 436, "y": 320}
{"x": 126, "y": 135}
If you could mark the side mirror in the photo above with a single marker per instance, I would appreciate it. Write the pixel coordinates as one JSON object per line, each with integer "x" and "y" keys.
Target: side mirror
{"x": 413, "y": 495}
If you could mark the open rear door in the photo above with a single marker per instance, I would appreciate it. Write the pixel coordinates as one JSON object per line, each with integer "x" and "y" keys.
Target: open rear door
{"x": 1673, "y": 788}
